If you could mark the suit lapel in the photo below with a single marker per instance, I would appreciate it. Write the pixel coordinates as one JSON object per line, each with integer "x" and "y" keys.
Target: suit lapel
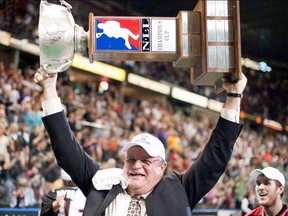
{"x": 110, "y": 197}
{"x": 149, "y": 203}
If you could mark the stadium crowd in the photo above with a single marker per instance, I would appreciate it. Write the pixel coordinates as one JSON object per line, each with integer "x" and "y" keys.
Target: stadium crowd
{"x": 27, "y": 165}
{"x": 20, "y": 18}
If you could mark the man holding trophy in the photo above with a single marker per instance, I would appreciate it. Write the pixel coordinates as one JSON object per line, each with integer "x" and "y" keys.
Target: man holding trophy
{"x": 141, "y": 187}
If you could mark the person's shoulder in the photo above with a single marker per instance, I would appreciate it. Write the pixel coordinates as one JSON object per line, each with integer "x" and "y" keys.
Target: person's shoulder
{"x": 255, "y": 212}
{"x": 285, "y": 210}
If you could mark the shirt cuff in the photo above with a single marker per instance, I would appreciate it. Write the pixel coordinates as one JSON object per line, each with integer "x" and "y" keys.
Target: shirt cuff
{"x": 51, "y": 106}
{"x": 230, "y": 115}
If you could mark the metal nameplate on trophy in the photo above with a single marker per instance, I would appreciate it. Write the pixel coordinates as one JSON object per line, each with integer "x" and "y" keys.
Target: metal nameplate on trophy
{"x": 206, "y": 40}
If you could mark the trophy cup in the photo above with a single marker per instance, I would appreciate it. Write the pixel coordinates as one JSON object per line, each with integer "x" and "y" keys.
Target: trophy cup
{"x": 59, "y": 38}
{"x": 206, "y": 40}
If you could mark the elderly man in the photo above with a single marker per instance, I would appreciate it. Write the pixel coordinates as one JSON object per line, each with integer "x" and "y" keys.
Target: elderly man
{"x": 142, "y": 182}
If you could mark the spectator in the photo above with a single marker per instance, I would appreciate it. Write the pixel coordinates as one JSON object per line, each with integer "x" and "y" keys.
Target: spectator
{"x": 67, "y": 200}
{"x": 23, "y": 196}
{"x": 31, "y": 116}
{"x": 247, "y": 202}
{"x": 270, "y": 186}
{"x": 4, "y": 140}
{"x": 14, "y": 166}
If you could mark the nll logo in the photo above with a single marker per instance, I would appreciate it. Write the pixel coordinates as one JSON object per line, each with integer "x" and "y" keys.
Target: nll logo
{"x": 117, "y": 35}
{"x": 145, "y": 35}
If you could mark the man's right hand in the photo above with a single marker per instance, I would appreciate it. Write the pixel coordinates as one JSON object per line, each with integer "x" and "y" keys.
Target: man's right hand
{"x": 49, "y": 82}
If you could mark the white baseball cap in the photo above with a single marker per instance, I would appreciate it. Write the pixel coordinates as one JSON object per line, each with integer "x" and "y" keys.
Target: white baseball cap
{"x": 270, "y": 173}
{"x": 151, "y": 144}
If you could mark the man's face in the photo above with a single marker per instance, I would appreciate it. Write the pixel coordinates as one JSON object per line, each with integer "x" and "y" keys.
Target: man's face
{"x": 142, "y": 171}
{"x": 267, "y": 191}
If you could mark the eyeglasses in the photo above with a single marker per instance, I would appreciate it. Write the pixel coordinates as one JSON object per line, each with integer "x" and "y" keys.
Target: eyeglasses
{"x": 144, "y": 162}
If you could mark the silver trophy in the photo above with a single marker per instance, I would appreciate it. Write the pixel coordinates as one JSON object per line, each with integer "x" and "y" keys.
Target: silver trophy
{"x": 206, "y": 40}
{"x": 59, "y": 38}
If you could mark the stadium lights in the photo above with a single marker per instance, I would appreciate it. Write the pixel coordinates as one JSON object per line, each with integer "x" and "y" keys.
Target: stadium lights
{"x": 99, "y": 68}
{"x": 148, "y": 84}
{"x": 189, "y": 97}
{"x": 215, "y": 105}
{"x": 273, "y": 125}
{"x": 264, "y": 67}
{"x": 258, "y": 66}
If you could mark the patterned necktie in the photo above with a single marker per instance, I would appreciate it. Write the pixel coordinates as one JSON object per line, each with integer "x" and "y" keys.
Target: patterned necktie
{"x": 134, "y": 208}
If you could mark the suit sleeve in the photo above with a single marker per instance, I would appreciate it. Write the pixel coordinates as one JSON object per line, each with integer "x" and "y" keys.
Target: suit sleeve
{"x": 211, "y": 164}
{"x": 69, "y": 154}
{"x": 46, "y": 205}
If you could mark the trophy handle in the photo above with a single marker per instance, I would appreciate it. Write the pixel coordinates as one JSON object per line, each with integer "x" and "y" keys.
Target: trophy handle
{"x": 65, "y": 4}
{"x": 81, "y": 38}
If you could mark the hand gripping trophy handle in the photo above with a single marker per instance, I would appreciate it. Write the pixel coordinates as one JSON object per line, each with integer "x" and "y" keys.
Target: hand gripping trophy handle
{"x": 59, "y": 38}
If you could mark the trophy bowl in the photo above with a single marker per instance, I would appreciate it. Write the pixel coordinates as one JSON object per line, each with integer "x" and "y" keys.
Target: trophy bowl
{"x": 59, "y": 37}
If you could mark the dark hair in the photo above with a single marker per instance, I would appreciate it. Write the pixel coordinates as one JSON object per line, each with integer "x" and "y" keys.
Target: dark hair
{"x": 69, "y": 183}
{"x": 278, "y": 184}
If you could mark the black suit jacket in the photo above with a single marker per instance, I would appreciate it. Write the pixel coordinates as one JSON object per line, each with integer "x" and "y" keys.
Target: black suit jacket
{"x": 174, "y": 195}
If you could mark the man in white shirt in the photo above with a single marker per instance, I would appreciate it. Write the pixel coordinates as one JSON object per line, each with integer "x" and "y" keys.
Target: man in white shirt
{"x": 109, "y": 192}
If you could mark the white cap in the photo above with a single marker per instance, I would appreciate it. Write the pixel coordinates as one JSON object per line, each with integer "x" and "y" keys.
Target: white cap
{"x": 270, "y": 173}
{"x": 65, "y": 176}
{"x": 151, "y": 144}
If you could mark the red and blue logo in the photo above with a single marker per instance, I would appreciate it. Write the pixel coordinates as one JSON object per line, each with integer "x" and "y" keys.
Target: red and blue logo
{"x": 117, "y": 35}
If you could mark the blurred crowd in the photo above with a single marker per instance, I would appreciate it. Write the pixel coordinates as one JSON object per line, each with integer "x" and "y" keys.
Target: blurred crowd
{"x": 28, "y": 168}
{"x": 20, "y": 17}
